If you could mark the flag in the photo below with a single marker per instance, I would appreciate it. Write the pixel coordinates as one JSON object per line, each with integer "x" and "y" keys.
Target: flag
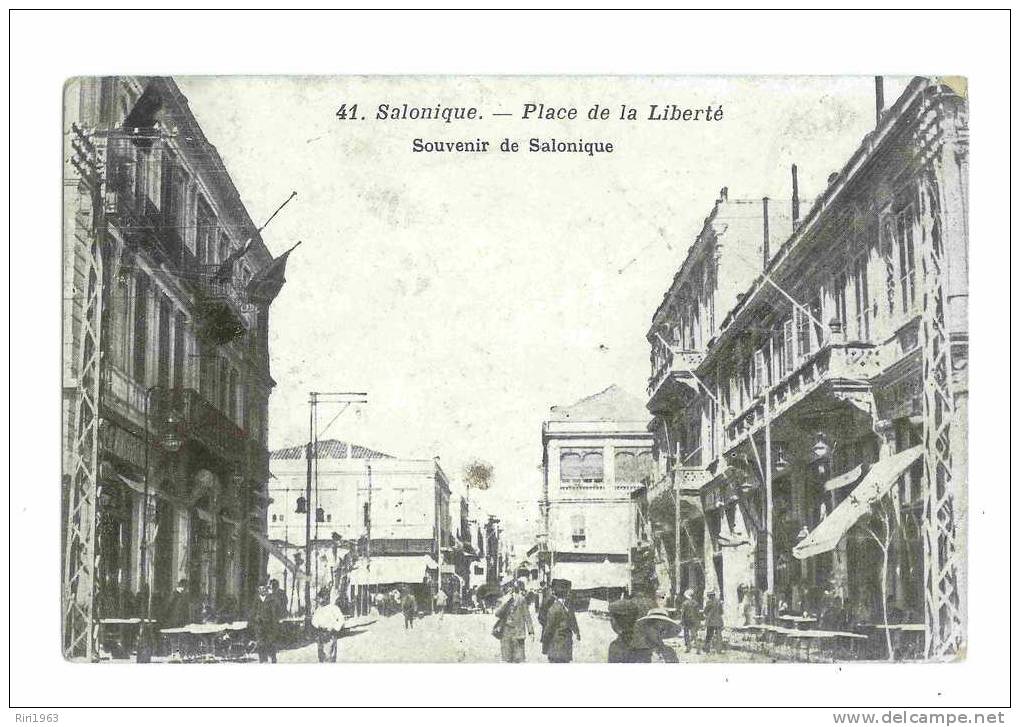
{"x": 226, "y": 269}
{"x": 267, "y": 284}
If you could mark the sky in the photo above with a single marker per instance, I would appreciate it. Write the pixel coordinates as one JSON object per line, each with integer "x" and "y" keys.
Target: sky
{"x": 469, "y": 293}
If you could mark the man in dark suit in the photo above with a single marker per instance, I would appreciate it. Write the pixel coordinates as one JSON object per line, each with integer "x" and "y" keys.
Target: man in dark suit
{"x": 276, "y": 593}
{"x": 560, "y": 626}
{"x": 179, "y": 609}
{"x": 265, "y": 624}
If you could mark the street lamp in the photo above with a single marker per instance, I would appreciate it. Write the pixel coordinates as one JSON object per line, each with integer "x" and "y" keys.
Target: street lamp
{"x": 820, "y": 453}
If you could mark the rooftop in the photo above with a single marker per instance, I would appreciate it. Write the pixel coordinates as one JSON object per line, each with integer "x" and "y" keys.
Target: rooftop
{"x": 330, "y": 449}
{"x": 609, "y": 405}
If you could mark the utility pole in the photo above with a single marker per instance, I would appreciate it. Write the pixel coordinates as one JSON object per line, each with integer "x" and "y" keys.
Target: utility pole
{"x": 368, "y": 541}
{"x": 313, "y": 402}
{"x": 312, "y": 458}
{"x": 80, "y": 629}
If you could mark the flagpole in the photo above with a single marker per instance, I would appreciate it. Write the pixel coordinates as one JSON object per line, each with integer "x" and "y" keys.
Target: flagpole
{"x": 264, "y": 224}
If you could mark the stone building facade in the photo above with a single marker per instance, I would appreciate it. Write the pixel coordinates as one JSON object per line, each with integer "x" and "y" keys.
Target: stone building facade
{"x": 810, "y": 404}
{"x": 184, "y": 370}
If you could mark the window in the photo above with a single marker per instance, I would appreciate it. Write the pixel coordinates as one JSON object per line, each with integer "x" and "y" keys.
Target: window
{"x": 577, "y": 534}
{"x": 163, "y": 353}
{"x": 302, "y": 505}
{"x": 141, "y": 326}
{"x": 320, "y": 515}
{"x": 274, "y": 517}
{"x": 839, "y": 295}
{"x": 591, "y": 467}
{"x": 329, "y": 517}
{"x": 570, "y": 466}
{"x": 179, "y": 351}
{"x": 905, "y": 248}
{"x": 581, "y": 466}
{"x": 206, "y": 237}
{"x": 760, "y": 371}
{"x": 632, "y": 466}
{"x": 789, "y": 357}
{"x": 862, "y": 304}
{"x": 803, "y": 325}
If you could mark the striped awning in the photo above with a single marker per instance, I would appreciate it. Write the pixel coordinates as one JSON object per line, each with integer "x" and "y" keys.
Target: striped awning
{"x": 879, "y": 480}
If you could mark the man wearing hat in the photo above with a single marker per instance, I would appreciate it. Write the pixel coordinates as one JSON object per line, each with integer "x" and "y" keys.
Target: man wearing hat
{"x": 513, "y": 619}
{"x": 655, "y": 626}
{"x": 690, "y": 618}
{"x": 560, "y": 625}
{"x": 713, "y": 623}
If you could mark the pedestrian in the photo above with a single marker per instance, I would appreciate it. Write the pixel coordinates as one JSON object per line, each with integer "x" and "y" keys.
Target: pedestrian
{"x": 559, "y": 626}
{"x": 179, "y": 609}
{"x": 276, "y": 593}
{"x": 513, "y": 623}
{"x": 713, "y": 623}
{"x": 265, "y": 624}
{"x": 690, "y": 620}
{"x": 441, "y": 603}
{"x": 409, "y": 605}
{"x": 328, "y": 622}
{"x": 626, "y": 648}
{"x": 655, "y": 627}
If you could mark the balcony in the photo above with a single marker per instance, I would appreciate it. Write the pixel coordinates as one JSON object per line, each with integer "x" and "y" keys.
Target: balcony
{"x": 844, "y": 368}
{"x": 674, "y": 381}
{"x": 680, "y": 481}
{"x": 123, "y": 396}
{"x": 200, "y": 421}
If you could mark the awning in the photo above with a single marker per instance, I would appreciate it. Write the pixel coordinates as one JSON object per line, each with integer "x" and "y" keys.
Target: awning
{"x": 599, "y": 574}
{"x": 879, "y": 480}
{"x": 847, "y": 478}
{"x": 277, "y": 552}
{"x": 393, "y": 569}
{"x": 139, "y": 487}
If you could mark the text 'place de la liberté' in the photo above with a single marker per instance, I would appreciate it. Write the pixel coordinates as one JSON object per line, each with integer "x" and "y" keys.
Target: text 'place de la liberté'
{"x": 788, "y": 483}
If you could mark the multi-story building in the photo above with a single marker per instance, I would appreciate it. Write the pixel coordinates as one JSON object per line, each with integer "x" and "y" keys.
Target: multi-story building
{"x": 390, "y": 516}
{"x": 724, "y": 260}
{"x": 830, "y": 398}
{"x": 595, "y": 452}
{"x": 183, "y": 374}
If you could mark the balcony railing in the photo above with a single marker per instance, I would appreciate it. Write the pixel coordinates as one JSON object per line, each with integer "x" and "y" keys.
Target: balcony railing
{"x": 681, "y": 480}
{"x": 199, "y": 420}
{"x": 123, "y": 395}
{"x": 676, "y": 370}
{"x": 850, "y": 365}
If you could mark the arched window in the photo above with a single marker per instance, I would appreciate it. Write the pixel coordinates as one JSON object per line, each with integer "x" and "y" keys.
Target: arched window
{"x": 274, "y": 518}
{"x": 329, "y": 517}
{"x": 570, "y": 466}
{"x": 626, "y": 472}
{"x": 320, "y": 515}
{"x": 591, "y": 467}
{"x": 302, "y": 505}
